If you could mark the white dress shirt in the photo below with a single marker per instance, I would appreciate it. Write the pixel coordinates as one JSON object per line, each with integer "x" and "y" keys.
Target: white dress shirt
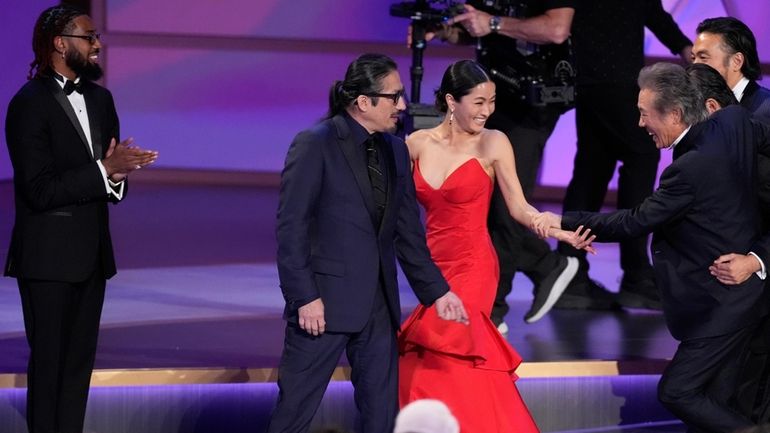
{"x": 78, "y": 103}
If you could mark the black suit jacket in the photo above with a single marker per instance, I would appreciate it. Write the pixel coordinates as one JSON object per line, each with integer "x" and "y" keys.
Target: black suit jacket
{"x": 61, "y": 229}
{"x": 756, "y": 99}
{"x": 705, "y": 206}
{"x": 328, "y": 244}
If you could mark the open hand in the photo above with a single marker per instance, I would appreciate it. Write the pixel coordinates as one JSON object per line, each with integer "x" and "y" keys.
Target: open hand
{"x": 734, "y": 268}
{"x": 580, "y": 239}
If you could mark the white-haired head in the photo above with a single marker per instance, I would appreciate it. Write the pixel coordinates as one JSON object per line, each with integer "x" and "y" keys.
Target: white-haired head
{"x": 426, "y": 416}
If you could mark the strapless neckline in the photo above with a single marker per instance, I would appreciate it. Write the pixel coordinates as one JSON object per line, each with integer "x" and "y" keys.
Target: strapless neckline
{"x": 466, "y": 163}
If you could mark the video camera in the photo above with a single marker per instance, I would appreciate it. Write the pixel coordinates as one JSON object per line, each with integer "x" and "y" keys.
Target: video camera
{"x": 424, "y": 12}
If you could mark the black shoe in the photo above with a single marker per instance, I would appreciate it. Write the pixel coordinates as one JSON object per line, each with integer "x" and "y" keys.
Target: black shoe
{"x": 551, "y": 288}
{"x": 586, "y": 294}
{"x": 641, "y": 293}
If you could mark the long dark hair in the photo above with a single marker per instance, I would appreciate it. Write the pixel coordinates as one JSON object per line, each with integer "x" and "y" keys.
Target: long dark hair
{"x": 459, "y": 79}
{"x": 363, "y": 77}
{"x": 736, "y": 38}
{"x": 52, "y": 22}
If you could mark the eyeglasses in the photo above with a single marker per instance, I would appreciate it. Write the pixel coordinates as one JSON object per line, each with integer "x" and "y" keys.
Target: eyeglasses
{"x": 395, "y": 97}
{"x": 92, "y": 38}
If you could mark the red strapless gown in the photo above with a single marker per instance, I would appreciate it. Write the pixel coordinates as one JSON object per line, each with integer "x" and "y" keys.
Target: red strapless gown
{"x": 469, "y": 367}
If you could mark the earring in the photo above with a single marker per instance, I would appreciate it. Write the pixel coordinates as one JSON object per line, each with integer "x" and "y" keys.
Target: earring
{"x": 451, "y": 116}
{"x": 62, "y": 54}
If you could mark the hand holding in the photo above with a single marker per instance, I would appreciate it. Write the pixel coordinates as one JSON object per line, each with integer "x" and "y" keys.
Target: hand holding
{"x": 450, "y": 307}
{"x": 580, "y": 239}
{"x": 123, "y": 158}
{"x": 734, "y": 268}
{"x": 311, "y": 317}
{"x": 543, "y": 221}
{"x": 475, "y": 22}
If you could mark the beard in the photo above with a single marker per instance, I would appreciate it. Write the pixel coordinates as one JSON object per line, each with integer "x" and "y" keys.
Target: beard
{"x": 84, "y": 68}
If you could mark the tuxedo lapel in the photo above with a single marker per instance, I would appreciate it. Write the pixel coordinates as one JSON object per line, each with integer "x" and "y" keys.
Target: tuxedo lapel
{"x": 355, "y": 160}
{"x": 61, "y": 98}
{"x": 688, "y": 141}
{"x": 748, "y": 95}
{"x": 94, "y": 119}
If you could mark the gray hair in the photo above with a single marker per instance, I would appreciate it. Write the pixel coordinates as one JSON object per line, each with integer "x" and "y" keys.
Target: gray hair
{"x": 674, "y": 91}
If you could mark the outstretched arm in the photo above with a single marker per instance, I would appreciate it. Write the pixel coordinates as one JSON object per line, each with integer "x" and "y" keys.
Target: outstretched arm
{"x": 498, "y": 150}
{"x": 672, "y": 199}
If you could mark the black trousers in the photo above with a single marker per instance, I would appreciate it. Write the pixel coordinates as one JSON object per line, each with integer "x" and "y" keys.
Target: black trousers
{"x": 608, "y": 132}
{"x": 753, "y": 399}
{"x": 62, "y": 326}
{"x": 516, "y": 246}
{"x": 308, "y": 362}
{"x": 700, "y": 383}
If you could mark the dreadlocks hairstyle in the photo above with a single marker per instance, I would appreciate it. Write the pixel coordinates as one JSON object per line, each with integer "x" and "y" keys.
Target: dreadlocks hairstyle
{"x": 52, "y": 22}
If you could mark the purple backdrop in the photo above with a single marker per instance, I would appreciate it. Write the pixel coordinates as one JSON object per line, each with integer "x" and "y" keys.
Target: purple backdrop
{"x": 226, "y": 85}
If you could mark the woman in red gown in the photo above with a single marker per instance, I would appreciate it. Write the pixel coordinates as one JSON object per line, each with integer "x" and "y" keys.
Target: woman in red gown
{"x": 469, "y": 367}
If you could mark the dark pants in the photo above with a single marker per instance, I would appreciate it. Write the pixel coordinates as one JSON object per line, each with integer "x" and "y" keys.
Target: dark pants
{"x": 608, "y": 132}
{"x": 62, "y": 325}
{"x": 516, "y": 246}
{"x": 308, "y": 362}
{"x": 700, "y": 383}
{"x": 753, "y": 398}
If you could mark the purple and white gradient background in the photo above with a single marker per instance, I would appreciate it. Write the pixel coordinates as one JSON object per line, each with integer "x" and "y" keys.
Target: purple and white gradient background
{"x": 225, "y": 85}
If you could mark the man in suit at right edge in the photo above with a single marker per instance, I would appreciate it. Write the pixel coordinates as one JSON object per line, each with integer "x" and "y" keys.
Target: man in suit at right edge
{"x": 705, "y": 205}
{"x": 728, "y": 45}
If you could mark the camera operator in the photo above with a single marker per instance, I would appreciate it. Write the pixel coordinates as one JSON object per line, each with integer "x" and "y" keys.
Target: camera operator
{"x": 504, "y": 31}
{"x": 608, "y": 41}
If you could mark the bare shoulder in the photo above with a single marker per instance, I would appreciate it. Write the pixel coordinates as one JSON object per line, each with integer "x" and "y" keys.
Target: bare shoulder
{"x": 418, "y": 140}
{"x": 493, "y": 141}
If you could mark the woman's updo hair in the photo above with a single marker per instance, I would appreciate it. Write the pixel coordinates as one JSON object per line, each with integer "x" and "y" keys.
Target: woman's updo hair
{"x": 459, "y": 79}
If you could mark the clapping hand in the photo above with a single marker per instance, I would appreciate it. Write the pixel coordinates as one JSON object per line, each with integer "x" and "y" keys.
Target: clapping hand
{"x": 123, "y": 158}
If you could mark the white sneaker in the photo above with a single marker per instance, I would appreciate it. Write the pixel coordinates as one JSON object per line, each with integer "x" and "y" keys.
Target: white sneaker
{"x": 503, "y": 328}
{"x": 551, "y": 288}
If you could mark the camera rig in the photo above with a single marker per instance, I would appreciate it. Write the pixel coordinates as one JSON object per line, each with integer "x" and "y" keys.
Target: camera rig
{"x": 543, "y": 77}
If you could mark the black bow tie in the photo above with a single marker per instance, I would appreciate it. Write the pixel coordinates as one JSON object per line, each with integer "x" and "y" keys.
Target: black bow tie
{"x": 71, "y": 86}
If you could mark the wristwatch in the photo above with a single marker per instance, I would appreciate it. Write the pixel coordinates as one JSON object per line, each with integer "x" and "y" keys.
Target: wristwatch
{"x": 494, "y": 24}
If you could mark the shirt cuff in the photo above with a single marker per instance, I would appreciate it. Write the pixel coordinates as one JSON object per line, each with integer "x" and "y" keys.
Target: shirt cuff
{"x": 762, "y": 273}
{"x": 113, "y": 188}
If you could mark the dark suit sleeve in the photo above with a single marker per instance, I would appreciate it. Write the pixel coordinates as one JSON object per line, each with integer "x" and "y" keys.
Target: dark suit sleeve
{"x": 300, "y": 188}
{"x": 37, "y": 175}
{"x": 663, "y": 26}
{"x": 412, "y": 251}
{"x": 672, "y": 199}
{"x": 762, "y": 135}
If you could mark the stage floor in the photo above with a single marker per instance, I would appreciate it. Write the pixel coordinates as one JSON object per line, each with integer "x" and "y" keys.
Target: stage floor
{"x": 197, "y": 288}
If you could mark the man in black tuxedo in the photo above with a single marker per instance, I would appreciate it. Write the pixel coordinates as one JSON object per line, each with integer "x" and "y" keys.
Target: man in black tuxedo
{"x": 705, "y": 205}
{"x": 347, "y": 208}
{"x": 61, "y": 130}
{"x": 729, "y": 46}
